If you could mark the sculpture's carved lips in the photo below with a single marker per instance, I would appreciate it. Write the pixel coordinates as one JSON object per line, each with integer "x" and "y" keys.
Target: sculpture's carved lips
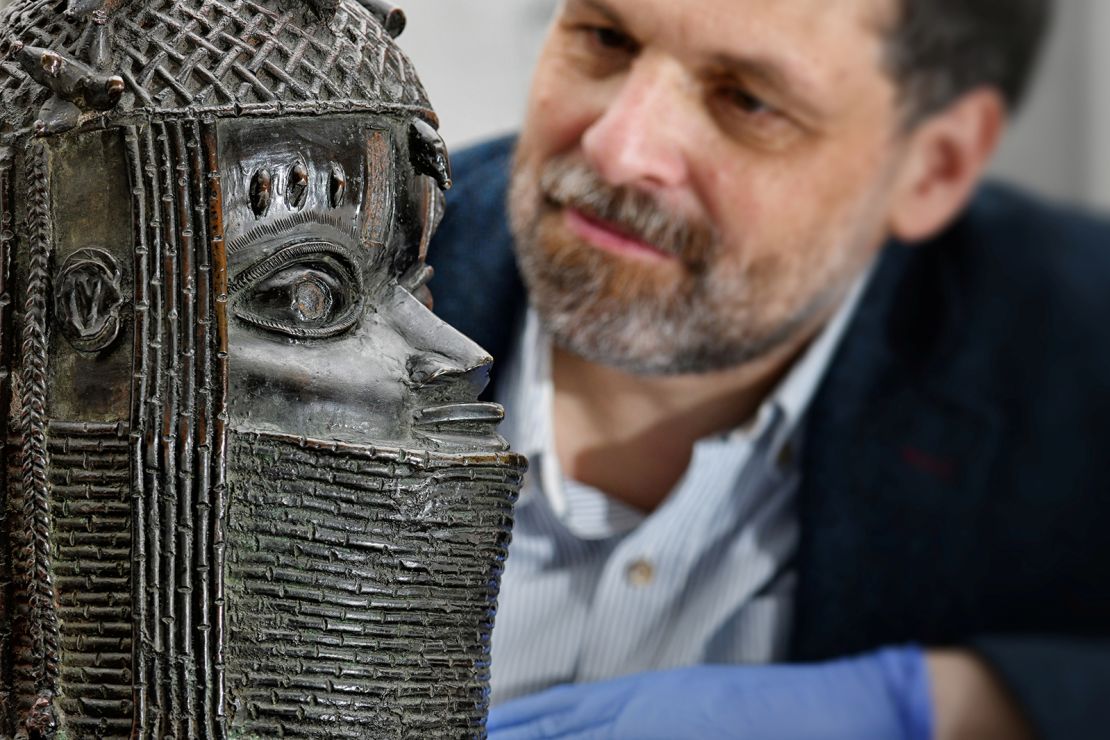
{"x": 462, "y": 422}
{"x": 460, "y": 413}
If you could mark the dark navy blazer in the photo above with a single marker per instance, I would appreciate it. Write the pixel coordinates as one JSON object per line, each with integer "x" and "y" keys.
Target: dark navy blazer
{"x": 956, "y": 467}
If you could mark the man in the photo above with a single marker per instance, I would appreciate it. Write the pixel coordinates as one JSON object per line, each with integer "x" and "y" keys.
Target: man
{"x": 765, "y": 429}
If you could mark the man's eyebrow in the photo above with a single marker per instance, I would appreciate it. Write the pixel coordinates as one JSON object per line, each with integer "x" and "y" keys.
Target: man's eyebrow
{"x": 601, "y": 8}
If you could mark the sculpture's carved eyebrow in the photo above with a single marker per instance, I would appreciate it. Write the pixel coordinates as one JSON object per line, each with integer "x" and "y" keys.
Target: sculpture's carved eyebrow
{"x": 291, "y": 253}
{"x": 277, "y": 227}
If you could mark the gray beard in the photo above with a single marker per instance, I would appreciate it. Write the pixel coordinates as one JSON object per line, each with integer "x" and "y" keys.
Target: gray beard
{"x": 651, "y": 338}
{"x": 709, "y": 321}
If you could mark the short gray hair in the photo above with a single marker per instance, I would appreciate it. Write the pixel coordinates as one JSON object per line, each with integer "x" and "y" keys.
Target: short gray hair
{"x": 941, "y": 49}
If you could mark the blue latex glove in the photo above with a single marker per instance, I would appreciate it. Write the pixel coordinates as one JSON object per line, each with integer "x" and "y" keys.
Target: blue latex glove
{"x": 884, "y": 695}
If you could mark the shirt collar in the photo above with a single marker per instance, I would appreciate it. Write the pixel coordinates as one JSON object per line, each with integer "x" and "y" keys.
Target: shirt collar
{"x": 527, "y": 390}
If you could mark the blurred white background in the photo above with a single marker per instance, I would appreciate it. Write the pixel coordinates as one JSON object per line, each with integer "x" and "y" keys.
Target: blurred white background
{"x": 476, "y": 56}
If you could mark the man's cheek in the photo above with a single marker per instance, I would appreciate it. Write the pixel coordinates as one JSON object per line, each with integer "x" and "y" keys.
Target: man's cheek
{"x": 548, "y": 132}
{"x": 558, "y": 116}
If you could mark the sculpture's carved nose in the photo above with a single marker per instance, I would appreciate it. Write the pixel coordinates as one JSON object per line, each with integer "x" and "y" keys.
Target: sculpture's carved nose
{"x": 441, "y": 357}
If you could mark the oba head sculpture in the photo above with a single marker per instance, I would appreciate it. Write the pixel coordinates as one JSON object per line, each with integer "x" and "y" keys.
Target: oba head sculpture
{"x": 250, "y": 491}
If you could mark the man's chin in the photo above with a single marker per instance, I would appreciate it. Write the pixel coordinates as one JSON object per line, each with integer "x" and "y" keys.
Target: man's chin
{"x": 631, "y": 317}
{"x": 634, "y": 352}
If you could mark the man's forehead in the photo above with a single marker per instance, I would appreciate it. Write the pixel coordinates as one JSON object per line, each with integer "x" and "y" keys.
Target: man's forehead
{"x": 809, "y": 41}
{"x": 725, "y": 16}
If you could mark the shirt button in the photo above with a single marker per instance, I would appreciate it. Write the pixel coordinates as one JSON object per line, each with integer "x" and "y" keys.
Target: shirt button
{"x": 640, "y": 573}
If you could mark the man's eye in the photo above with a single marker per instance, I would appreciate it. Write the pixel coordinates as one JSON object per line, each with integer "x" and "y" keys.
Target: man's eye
{"x": 315, "y": 296}
{"x": 747, "y": 117}
{"x": 746, "y": 102}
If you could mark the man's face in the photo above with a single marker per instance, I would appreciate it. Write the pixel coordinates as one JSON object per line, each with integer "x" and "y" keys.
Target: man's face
{"x": 697, "y": 184}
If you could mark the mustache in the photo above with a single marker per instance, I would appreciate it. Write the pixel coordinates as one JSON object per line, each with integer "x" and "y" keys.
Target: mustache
{"x": 571, "y": 183}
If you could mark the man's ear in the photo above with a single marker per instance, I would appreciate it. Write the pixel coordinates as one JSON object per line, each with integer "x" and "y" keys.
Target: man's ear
{"x": 945, "y": 159}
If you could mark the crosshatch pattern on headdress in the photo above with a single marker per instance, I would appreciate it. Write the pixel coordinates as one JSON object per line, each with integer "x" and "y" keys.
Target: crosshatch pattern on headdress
{"x": 210, "y": 55}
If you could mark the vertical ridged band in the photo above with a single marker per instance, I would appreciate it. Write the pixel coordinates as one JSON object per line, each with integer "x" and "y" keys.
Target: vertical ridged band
{"x": 36, "y": 571}
{"x": 7, "y": 239}
{"x": 178, "y": 430}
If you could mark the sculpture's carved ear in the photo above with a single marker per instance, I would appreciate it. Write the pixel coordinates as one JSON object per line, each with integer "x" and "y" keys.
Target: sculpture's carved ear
{"x": 429, "y": 153}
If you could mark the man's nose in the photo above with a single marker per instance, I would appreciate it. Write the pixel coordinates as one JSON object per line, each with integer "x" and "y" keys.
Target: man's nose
{"x": 439, "y": 354}
{"x": 639, "y": 139}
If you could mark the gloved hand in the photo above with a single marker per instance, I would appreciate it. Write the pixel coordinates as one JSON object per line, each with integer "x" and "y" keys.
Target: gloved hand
{"x": 883, "y": 695}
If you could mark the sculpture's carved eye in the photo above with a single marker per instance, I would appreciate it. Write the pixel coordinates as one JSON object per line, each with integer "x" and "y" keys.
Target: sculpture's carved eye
{"x": 307, "y": 290}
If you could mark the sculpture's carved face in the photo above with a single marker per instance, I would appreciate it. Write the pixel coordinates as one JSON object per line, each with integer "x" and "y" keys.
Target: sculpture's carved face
{"x": 328, "y": 338}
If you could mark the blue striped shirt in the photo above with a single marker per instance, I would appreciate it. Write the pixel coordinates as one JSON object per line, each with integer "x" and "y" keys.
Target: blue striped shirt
{"x": 594, "y": 589}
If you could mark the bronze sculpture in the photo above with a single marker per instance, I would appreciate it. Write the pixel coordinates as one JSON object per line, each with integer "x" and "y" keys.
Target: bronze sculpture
{"x": 250, "y": 491}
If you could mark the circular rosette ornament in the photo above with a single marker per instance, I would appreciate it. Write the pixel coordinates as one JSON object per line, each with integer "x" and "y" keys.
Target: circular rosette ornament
{"x": 88, "y": 298}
